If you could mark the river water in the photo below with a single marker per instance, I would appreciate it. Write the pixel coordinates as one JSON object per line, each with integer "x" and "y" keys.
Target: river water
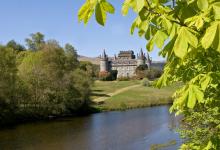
{"x": 134, "y": 129}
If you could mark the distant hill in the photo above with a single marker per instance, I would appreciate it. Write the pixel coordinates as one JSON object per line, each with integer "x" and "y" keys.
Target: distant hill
{"x": 93, "y": 60}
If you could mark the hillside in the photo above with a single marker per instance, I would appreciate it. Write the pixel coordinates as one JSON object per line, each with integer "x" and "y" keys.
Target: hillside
{"x": 93, "y": 60}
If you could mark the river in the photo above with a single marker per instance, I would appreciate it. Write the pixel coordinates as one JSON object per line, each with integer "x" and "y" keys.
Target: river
{"x": 134, "y": 129}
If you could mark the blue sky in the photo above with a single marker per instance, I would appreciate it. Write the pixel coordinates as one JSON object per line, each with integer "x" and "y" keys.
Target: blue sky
{"x": 57, "y": 19}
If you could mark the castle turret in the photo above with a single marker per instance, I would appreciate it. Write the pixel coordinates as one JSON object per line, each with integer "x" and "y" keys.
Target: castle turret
{"x": 104, "y": 63}
{"x": 141, "y": 58}
{"x": 149, "y": 61}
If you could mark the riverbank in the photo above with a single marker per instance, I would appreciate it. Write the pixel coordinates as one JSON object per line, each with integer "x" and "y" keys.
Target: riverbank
{"x": 111, "y": 96}
{"x": 136, "y": 95}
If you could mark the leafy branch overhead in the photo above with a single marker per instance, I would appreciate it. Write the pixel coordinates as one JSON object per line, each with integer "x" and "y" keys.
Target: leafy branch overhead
{"x": 187, "y": 32}
{"x": 100, "y": 7}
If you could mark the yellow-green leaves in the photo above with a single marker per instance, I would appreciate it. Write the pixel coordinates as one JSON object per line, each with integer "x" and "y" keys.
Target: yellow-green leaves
{"x": 190, "y": 95}
{"x": 205, "y": 81}
{"x": 140, "y": 4}
{"x": 85, "y": 12}
{"x": 212, "y": 37}
{"x": 108, "y": 7}
{"x": 101, "y": 10}
{"x": 136, "y": 5}
{"x": 125, "y": 7}
{"x": 203, "y": 4}
{"x": 100, "y": 7}
{"x": 216, "y": 9}
{"x": 184, "y": 39}
{"x": 100, "y": 14}
{"x": 158, "y": 39}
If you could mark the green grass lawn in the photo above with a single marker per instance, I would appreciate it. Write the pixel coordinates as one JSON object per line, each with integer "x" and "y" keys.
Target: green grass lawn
{"x": 137, "y": 97}
{"x": 102, "y": 88}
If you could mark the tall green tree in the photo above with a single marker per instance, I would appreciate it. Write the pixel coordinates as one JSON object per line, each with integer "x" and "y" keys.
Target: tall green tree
{"x": 35, "y": 42}
{"x": 187, "y": 32}
{"x": 71, "y": 56}
{"x": 8, "y": 84}
{"x": 16, "y": 46}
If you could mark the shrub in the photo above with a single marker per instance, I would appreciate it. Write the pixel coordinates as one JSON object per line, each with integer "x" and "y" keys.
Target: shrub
{"x": 145, "y": 82}
{"x": 108, "y": 76}
{"x": 153, "y": 73}
{"x": 144, "y": 72}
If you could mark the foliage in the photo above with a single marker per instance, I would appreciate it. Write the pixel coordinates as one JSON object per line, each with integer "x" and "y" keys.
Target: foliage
{"x": 8, "y": 85}
{"x": 71, "y": 56}
{"x": 143, "y": 72}
{"x": 41, "y": 83}
{"x": 35, "y": 42}
{"x": 91, "y": 69}
{"x": 145, "y": 82}
{"x": 108, "y": 76}
{"x": 153, "y": 73}
{"x": 187, "y": 32}
{"x": 16, "y": 46}
{"x": 104, "y": 76}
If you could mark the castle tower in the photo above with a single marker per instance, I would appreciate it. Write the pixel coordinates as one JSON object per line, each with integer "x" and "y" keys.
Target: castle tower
{"x": 104, "y": 63}
{"x": 149, "y": 61}
{"x": 141, "y": 58}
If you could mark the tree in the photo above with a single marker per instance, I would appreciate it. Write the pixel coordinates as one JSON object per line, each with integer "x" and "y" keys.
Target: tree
{"x": 8, "y": 84}
{"x": 35, "y": 42}
{"x": 52, "y": 88}
{"x": 71, "y": 56}
{"x": 140, "y": 71}
{"x": 191, "y": 31}
{"x": 14, "y": 45}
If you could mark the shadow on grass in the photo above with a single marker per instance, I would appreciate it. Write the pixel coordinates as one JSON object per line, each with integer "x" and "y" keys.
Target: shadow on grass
{"x": 98, "y": 94}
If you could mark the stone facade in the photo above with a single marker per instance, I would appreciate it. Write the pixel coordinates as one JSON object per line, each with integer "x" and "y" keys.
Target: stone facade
{"x": 125, "y": 64}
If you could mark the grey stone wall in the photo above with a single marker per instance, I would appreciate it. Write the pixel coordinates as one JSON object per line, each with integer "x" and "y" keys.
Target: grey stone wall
{"x": 125, "y": 71}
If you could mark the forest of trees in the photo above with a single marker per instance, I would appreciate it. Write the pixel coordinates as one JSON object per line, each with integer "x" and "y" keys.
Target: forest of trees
{"x": 41, "y": 80}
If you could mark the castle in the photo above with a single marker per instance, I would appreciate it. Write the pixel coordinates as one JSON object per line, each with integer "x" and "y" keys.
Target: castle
{"x": 125, "y": 64}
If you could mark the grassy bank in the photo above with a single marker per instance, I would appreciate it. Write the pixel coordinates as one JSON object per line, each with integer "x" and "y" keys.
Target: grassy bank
{"x": 103, "y": 88}
{"x": 137, "y": 97}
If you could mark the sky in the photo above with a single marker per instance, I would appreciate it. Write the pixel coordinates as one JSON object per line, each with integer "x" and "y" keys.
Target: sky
{"x": 57, "y": 19}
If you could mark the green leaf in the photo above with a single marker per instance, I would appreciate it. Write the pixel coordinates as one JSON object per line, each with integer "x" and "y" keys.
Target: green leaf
{"x": 148, "y": 33}
{"x": 100, "y": 14}
{"x": 126, "y": 6}
{"x": 199, "y": 94}
{"x": 203, "y": 4}
{"x": 191, "y": 99}
{"x": 144, "y": 14}
{"x": 184, "y": 38}
{"x": 216, "y": 42}
{"x": 150, "y": 45}
{"x": 180, "y": 47}
{"x": 160, "y": 38}
{"x": 108, "y": 7}
{"x": 209, "y": 36}
{"x": 191, "y": 38}
{"x": 205, "y": 82}
{"x": 140, "y": 4}
{"x": 167, "y": 50}
{"x": 83, "y": 11}
{"x": 216, "y": 9}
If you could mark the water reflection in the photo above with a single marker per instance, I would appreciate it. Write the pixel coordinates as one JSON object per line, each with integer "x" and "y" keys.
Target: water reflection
{"x": 128, "y": 130}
